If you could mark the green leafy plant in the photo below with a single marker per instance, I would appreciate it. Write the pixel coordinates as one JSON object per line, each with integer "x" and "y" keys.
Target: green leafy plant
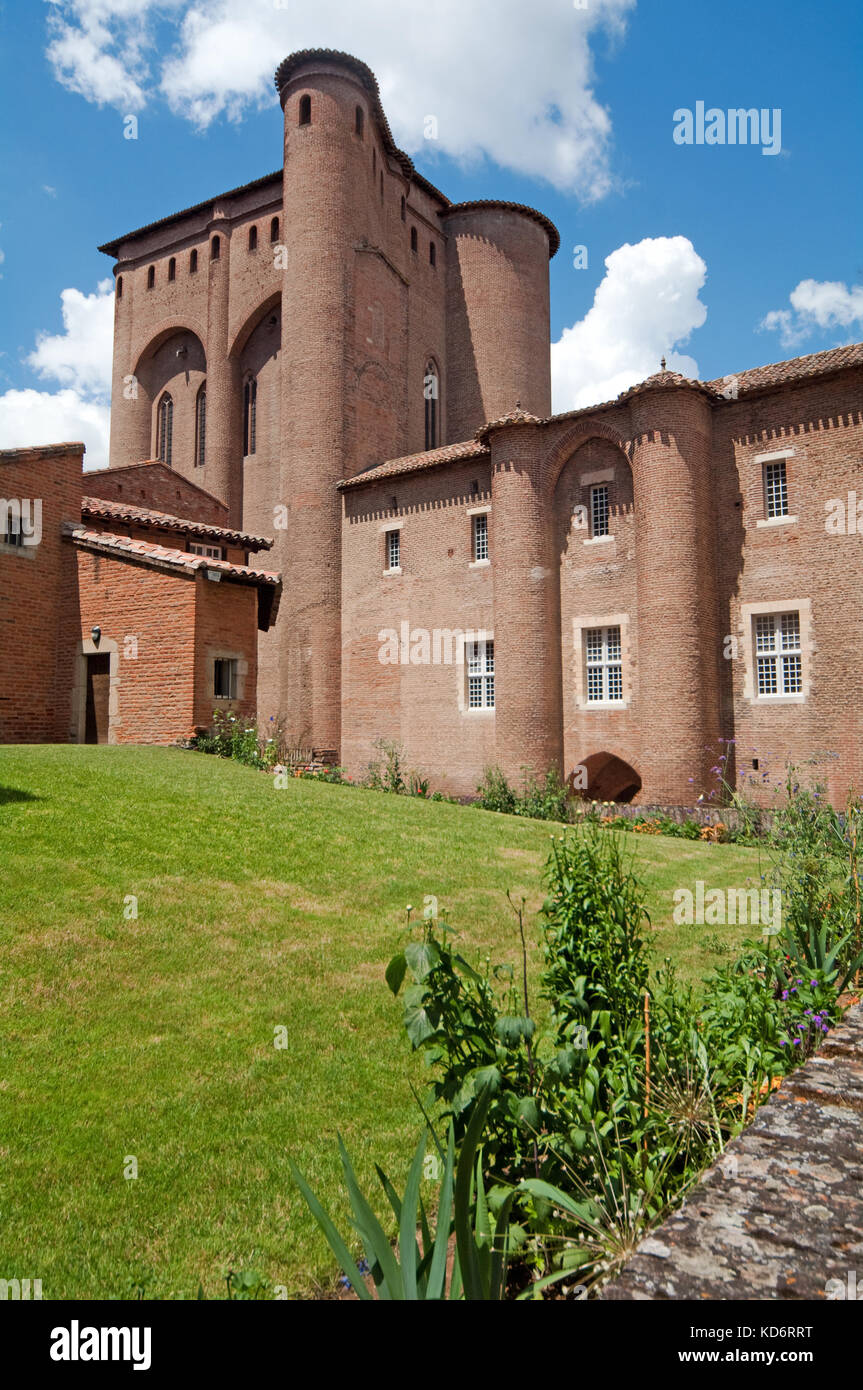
{"x": 418, "y": 1269}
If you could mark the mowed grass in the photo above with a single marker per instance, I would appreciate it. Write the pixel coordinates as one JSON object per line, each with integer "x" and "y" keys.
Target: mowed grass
{"x": 153, "y": 1038}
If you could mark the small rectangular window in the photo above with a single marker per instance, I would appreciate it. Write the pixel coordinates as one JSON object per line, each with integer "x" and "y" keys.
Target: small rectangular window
{"x": 599, "y": 510}
{"x": 775, "y": 489}
{"x": 213, "y": 552}
{"x": 12, "y": 534}
{"x": 480, "y": 537}
{"x": 603, "y": 659}
{"x": 480, "y": 674}
{"x": 778, "y": 654}
{"x": 394, "y": 550}
{"x": 225, "y": 678}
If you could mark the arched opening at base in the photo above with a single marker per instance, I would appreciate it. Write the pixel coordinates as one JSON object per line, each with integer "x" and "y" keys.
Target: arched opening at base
{"x": 604, "y": 777}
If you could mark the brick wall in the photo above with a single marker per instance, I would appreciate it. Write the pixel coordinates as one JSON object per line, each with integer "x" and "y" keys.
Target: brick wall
{"x": 33, "y": 703}
{"x": 151, "y": 484}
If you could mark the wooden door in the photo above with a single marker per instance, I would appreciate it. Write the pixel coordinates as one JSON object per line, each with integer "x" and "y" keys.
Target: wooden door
{"x": 98, "y": 685}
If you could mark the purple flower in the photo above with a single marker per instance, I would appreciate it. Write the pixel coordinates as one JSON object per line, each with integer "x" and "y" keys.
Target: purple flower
{"x": 813, "y": 984}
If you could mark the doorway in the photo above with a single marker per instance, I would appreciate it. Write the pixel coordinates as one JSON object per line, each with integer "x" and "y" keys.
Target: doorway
{"x": 96, "y": 719}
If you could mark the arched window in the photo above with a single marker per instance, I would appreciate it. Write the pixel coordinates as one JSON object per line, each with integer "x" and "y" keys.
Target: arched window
{"x": 250, "y": 413}
{"x": 404, "y": 210}
{"x": 151, "y": 277}
{"x": 305, "y": 111}
{"x": 359, "y": 122}
{"x": 431, "y": 392}
{"x": 274, "y": 229}
{"x": 193, "y": 262}
{"x": 253, "y": 238}
{"x": 432, "y": 253}
{"x": 215, "y": 248}
{"x": 414, "y": 239}
{"x": 120, "y": 287}
{"x": 172, "y": 269}
{"x": 201, "y": 427}
{"x": 165, "y": 429}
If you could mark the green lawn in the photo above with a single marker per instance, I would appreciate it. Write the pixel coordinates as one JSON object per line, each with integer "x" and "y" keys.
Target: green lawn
{"x": 154, "y": 1038}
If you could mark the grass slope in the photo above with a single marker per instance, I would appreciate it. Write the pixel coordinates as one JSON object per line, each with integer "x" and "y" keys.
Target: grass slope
{"x": 154, "y": 1038}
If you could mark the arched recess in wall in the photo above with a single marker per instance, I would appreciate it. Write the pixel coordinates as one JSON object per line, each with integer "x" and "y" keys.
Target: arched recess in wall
{"x": 256, "y": 353}
{"x": 432, "y": 403}
{"x": 377, "y": 434}
{"x": 173, "y": 363}
{"x": 592, "y": 511}
{"x": 607, "y": 778}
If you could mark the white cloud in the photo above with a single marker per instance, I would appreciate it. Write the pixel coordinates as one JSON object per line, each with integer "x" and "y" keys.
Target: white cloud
{"x": 645, "y": 306}
{"x": 31, "y": 417}
{"x": 816, "y": 304}
{"x": 79, "y": 360}
{"x": 505, "y": 80}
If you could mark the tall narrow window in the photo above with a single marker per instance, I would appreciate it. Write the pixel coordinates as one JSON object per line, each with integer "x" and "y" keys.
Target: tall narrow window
{"x": 274, "y": 229}
{"x": 172, "y": 268}
{"x": 432, "y": 253}
{"x": 151, "y": 277}
{"x": 775, "y": 489}
{"x": 250, "y": 412}
{"x": 599, "y": 510}
{"x": 359, "y": 122}
{"x": 305, "y": 110}
{"x": 404, "y": 210}
{"x": 382, "y": 185}
{"x": 431, "y": 392}
{"x": 165, "y": 429}
{"x": 603, "y": 658}
{"x": 225, "y": 678}
{"x": 414, "y": 239}
{"x": 480, "y": 675}
{"x": 201, "y": 428}
{"x": 215, "y": 248}
{"x": 253, "y": 238}
{"x": 193, "y": 262}
{"x": 394, "y": 550}
{"x": 119, "y": 287}
{"x": 480, "y": 536}
{"x": 779, "y": 654}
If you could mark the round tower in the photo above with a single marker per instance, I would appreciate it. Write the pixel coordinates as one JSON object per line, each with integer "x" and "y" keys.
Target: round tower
{"x": 497, "y": 305}
{"x": 325, "y": 194}
{"x": 679, "y": 642}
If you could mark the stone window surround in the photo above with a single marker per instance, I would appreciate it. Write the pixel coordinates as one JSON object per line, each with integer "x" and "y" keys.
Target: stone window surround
{"x": 773, "y": 456}
{"x": 748, "y": 611}
{"x": 580, "y": 624}
{"x": 476, "y": 635}
{"x": 384, "y": 531}
{"x": 586, "y": 482}
{"x": 215, "y": 654}
{"x": 472, "y": 512}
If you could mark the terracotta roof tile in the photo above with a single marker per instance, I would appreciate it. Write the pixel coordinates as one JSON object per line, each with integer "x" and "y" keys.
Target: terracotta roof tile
{"x": 163, "y": 521}
{"x": 163, "y": 556}
{"x": 794, "y": 369}
{"x": 478, "y": 204}
{"x": 416, "y": 463}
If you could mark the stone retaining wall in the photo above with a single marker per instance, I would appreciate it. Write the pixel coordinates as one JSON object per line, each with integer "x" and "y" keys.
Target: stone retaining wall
{"x": 780, "y": 1216}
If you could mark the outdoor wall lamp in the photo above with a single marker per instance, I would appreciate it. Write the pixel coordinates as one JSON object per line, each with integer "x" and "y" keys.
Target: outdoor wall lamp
{"x": 182, "y": 351}
{"x": 96, "y": 634}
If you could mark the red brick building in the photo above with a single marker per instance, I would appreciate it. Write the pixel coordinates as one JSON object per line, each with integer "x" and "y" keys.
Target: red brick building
{"x": 337, "y": 355}
{"x": 120, "y": 623}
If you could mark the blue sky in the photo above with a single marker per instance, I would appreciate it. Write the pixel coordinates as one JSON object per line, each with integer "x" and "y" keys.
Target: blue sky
{"x": 567, "y": 105}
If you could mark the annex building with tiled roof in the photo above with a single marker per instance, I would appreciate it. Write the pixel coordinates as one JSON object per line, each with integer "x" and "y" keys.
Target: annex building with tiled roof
{"x": 338, "y": 365}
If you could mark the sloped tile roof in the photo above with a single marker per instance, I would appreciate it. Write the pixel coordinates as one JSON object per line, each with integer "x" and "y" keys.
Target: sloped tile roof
{"x": 480, "y": 204}
{"x": 416, "y": 463}
{"x": 164, "y": 557}
{"x": 98, "y": 507}
{"x": 794, "y": 369}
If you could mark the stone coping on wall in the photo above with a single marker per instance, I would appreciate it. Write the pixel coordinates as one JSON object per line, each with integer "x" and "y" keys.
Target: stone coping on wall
{"x": 780, "y": 1215}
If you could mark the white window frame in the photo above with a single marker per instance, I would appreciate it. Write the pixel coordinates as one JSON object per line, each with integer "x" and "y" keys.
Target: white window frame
{"x": 775, "y": 476}
{"x": 212, "y": 552}
{"x": 480, "y": 554}
{"x": 479, "y": 690}
{"x": 608, "y": 665}
{"x": 777, "y": 641}
{"x": 765, "y": 461}
{"x": 393, "y": 540}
